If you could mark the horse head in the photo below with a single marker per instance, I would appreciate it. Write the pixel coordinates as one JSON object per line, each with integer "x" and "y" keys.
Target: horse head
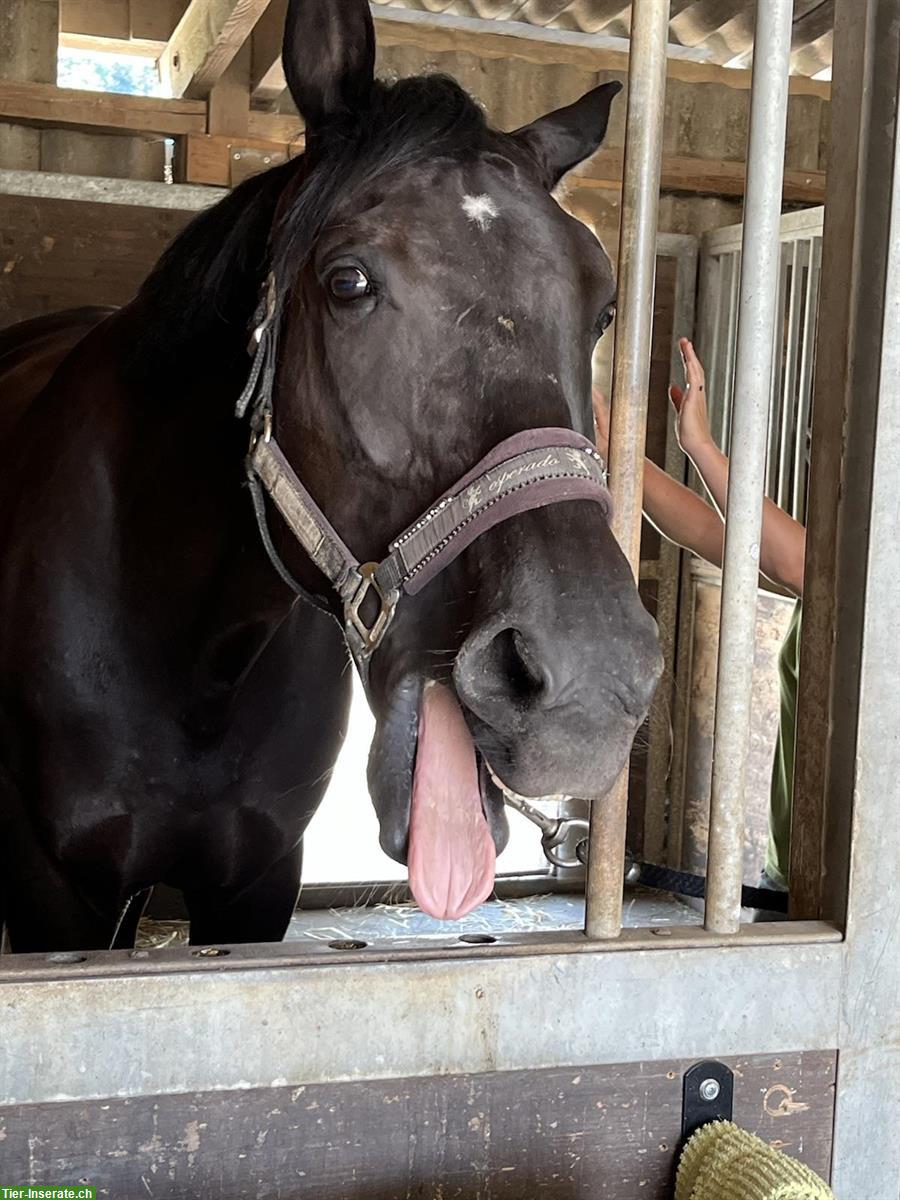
{"x": 435, "y": 300}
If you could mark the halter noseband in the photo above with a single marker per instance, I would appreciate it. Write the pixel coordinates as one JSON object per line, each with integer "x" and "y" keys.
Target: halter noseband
{"x": 527, "y": 471}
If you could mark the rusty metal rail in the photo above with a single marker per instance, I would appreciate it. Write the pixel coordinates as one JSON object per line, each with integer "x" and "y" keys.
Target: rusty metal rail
{"x": 760, "y": 267}
{"x": 631, "y": 380}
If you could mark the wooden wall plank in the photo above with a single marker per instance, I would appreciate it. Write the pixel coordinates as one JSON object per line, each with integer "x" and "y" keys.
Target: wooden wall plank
{"x": 57, "y": 254}
{"x": 591, "y": 1133}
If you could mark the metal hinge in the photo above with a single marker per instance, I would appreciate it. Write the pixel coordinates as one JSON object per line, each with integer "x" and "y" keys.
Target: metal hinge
{"x": 708, "y": 1096}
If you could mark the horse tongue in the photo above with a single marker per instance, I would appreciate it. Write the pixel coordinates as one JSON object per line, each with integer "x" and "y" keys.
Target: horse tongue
{"x": 451, "y": 852}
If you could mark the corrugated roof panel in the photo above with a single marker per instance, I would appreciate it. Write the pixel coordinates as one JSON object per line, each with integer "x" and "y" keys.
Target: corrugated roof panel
{"x": 721, "y": 28}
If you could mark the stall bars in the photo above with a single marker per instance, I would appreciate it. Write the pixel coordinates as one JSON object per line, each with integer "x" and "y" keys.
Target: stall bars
{"x": 754, "y": 310}
{"x": 793, "y": 347}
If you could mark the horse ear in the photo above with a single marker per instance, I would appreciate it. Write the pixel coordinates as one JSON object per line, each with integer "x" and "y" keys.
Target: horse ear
{"x": 564, "y": 138}
{"x": 329, "y": 57}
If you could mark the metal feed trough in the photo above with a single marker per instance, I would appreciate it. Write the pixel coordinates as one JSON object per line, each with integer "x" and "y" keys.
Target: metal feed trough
{"x": 317, "y": 1070}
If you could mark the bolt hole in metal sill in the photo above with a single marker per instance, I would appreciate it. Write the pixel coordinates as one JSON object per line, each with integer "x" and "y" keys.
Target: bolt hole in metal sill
{"x": 350, "y": 951}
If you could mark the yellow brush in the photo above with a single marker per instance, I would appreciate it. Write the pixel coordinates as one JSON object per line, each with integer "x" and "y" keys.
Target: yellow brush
{"x": 723, "y": 1162}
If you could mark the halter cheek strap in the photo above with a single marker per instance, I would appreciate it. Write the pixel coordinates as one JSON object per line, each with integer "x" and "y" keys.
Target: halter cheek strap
{"x": 527, "y": 471}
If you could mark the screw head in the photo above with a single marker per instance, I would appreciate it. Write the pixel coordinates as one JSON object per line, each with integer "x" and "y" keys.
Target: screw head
{"x": 709, "y": 1089}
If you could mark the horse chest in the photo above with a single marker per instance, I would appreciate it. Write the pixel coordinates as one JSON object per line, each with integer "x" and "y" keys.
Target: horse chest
{"x": 142, "y": 775}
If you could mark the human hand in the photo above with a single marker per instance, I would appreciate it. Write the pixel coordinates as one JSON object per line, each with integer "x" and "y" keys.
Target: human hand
{"x": 691, "y": 420}
{"x": 601, "y": 422}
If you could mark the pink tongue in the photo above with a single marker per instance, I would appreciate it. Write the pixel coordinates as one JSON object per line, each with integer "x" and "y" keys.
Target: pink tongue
{"x": 451, "y": 851}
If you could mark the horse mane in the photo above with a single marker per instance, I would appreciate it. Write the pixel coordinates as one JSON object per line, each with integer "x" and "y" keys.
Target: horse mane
{"x": 210, "y": 279}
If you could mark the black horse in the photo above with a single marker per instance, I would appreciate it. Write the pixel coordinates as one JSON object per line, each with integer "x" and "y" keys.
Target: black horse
{"x": 169, "y": 710}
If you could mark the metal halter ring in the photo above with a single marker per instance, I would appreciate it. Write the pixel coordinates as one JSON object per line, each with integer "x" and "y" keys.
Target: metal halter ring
{"x": 370, "y": 637}
{"x": 554, "y": 838}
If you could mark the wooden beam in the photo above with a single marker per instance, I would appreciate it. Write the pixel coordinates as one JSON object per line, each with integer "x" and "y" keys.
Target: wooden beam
{"x": 103, "y": 45}
{"x": 209, "y": 160}
{"x": 125, "y": 21}
{"x": 709, "y": 177}
{"x": 44, "y": 104}
{"x": 220, "y": 161}
{"x": 229, "y": 101}
{"x": 134, "y": 193}
{"x": 489, "y": 39}
{"x": 275, "y": 127}
{"x": 205, "y": 43}
{"x": 266, "y": 73}
{"x": 96, "y": 18}
{"x": 155, "y": 19}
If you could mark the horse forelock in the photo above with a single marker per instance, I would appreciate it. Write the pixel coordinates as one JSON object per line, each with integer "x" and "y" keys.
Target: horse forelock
{"x": 212, "y": 274}
{"x": 416, "y": 120}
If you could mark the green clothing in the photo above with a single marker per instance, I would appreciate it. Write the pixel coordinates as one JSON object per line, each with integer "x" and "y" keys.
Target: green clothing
{"x": 778, "y": 854}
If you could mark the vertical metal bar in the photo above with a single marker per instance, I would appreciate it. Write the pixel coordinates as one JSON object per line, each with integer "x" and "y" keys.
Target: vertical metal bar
{"x": 775, "y": 395}
{"x": 631, "y": 379}
{"x": 759, "y": 272}
{"x": 709, "y": 321}
{"x": 681, "y": 717}
{"x": 734, "y": 284}
{"x": 807, "y": 363}
{"x": 659, "y": 753}
{"x": 793, "y": 351}
{"x": 719, "y": 347}
{"x": 712, "y": 283}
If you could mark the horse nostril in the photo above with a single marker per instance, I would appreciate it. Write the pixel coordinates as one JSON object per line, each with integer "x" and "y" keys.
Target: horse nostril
{"x": 511, "y": 663}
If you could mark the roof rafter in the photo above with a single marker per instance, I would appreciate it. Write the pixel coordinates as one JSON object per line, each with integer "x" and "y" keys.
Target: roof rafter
{"x": 205, "y": 43}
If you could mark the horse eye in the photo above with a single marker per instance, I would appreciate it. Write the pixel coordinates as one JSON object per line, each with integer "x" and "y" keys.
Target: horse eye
{"x": 606, "y": 319}
{"x": 349, "y": 283}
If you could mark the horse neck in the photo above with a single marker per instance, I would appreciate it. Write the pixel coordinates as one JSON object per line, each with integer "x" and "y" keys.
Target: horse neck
{"x": 190, "y": 517}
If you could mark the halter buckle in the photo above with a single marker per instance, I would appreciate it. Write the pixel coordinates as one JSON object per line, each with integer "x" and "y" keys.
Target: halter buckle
{"x": 264, "y": 314}
{"x": 370, "y": 636}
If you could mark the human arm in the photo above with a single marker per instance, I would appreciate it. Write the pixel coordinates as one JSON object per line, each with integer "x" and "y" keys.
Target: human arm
{"x": 679, "y": 514}
{"x": 783, "y": 540}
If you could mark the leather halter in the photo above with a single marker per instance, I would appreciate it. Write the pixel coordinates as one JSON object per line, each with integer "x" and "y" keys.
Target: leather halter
{"x": 527, "y": 471}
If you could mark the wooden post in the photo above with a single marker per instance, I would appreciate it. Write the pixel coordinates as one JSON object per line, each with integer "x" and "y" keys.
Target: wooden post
{"x": 229, "y": 101}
